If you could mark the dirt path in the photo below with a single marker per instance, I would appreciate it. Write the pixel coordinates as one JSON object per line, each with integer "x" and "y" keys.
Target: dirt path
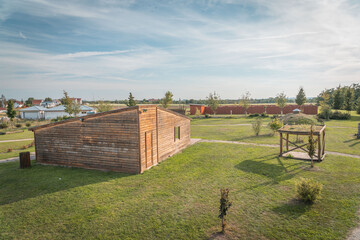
{"x": 16, "y": 140}
{"x": 267, "y": 145}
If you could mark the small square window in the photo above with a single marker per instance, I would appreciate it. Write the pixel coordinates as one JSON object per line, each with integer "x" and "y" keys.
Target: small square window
{"x": 176, "y": 133}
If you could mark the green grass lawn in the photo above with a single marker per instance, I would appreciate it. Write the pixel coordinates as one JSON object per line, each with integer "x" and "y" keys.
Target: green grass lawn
{"x": 23, "y": 135}
{"x": 339, "y": 133}
{"x": 179, "y": 199}
{"x": 13, "y": 145}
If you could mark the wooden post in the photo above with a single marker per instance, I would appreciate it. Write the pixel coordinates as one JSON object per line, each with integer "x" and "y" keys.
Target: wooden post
{"x": 287, "y": 142}
{"x": 319, "y": 147}
{"x": 25, "y": 159}
{"x": 281, "y": 144}
{"x": 323, "y": 147}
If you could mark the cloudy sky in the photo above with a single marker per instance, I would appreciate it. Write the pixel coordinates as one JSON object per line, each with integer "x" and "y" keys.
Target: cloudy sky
{"x": 105, "y": 49}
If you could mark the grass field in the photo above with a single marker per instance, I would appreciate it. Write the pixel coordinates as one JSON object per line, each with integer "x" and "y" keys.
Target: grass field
{"x": 24, "y": 135}
{"x": 179, "y": 199}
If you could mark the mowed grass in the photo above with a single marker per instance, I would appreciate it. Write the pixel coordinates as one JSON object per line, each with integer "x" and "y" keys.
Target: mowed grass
{"x": 340, "y": 134}
{"x": 179, "y": 199}
{"x": 15, "y": 153}
{"x": 23, "y": 135}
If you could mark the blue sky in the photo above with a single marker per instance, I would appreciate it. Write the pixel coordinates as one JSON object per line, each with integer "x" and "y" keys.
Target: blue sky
{"x": 106, "y": 49}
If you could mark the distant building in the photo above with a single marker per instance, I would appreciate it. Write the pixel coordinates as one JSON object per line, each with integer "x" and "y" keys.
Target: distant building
{"x": 49, "y": 104}
{"x": 34, "y": 112}
{"x": 18, "y": 104}
{"x": 76, "y": 100}
{"x": 39, "y": 112}
{"x": 37, "y": 102}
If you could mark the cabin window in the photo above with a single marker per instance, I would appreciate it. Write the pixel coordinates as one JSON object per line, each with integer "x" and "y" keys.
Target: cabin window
{"x": 176, "y": 133}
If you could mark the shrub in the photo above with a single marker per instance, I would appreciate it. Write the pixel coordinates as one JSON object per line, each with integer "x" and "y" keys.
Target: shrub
{"x": 340, "y": 116}
{"x": 264, "y": 115}
{"x": 325, "y": 112}
{"x": 207, "y": 116}
{"x": 10, "y": 150}
{"x": 18, "y": 125}
{"x": 28, "y": 124}
{"x": 254, "y": 115}
{"x": 225, "y": 204}
{"x": 276, "y": 124}
{"x": 308, "y": 190}
{"x": 275, "y": 116}
{"x": 3, "y": 125}
{"x": 257, "y": 126}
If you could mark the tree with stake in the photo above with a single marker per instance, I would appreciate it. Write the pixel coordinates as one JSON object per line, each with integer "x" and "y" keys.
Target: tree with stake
{"x": 311, "y": 146}
{"x": 281, "y": 101}
{"x": 213, "y": 101}
{"x": 225, "y": 204}
{"x": 131, "y": 101}
{"x": 67, "y": 103}
{"x": 11, "y": 113}
{"x": 300, "y": 97}
{"x": 245, "y": 101}
{"x": 167, "y": 100}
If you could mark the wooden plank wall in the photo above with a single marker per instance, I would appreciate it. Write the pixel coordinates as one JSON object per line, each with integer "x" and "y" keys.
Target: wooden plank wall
{"x": 108, "y": 142}
{"x": 147, "y": 124}
{"x": 167, "y": 145}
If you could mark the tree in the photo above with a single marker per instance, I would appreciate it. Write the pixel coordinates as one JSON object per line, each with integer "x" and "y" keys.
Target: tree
{"x": 103, "y": 106}
{"x": 311, "y": 146}
{"x": 281, "y": 101}
{"x": 245, "y": 101}
{"x": 76, "y": 108}
{"x": 225, "y": 204}
{"x": 48, "y": 99}
{"x": 71, "y": 107}
{"x": 348, "y": 101}
{"x": 300, "y": 97}
{"x": 324, "y": 104}
{"x": 167, "y": 100}
{"x": 131, "y": 102}
{"x": 2, "y": 101}
{"x": 11, "y": 113}
{"x": 213, "y": 101}
{"x": 358, "y": 106}
{"x": 29, "y": 102}
{"x": 337, "y": 99}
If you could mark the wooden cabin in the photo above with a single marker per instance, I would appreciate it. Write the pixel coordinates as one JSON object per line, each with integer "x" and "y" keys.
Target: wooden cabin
{"x": 127, "y": 140}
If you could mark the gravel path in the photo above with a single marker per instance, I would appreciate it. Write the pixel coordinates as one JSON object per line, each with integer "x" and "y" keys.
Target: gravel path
{"x": 16, "y": 140}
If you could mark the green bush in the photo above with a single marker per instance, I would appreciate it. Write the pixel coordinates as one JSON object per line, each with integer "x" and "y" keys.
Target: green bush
{"x": 308, "y": 190}
{"x": 276, "y": 124}
{"x": 207, "y": 116}
{"x": 257, "y": 126}
{"x": 337, "y": 115}
{"x": 264, "y": 115}
{"x": 18, "y": 125}
{"x": 254, "y": 115}
{"x": 28, "y": 124}
{"x": 3, "y": 125}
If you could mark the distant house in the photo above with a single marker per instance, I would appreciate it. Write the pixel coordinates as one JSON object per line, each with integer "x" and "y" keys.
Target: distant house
{"x": 49, "y": 104}
{"x": 34, "y": 112}
{"x": 37, "y": 102}
{"x": 59, "y": 111}
{"x": 18, "y": 104}
{"x": 76, "y": 100}
{"x": 39, "y": 112}
{"x": 2, "y": 109}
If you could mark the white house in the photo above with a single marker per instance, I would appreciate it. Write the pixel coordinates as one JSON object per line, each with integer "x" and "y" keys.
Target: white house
{"x": 48, "y": 104}
{"x": 59, "y": 111}
{"x": 34, "y": 112}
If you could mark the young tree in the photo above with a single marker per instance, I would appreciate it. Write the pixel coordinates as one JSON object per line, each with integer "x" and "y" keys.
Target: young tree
{"x": 300, "y": 97}
{"x": 68, "y": 104}
{"x": 281, "y": 101}
{"x": 311, "y": 146}
{"x": 245, "y": 101}
{"x": 337, "y": 99}
{"x": 213, "y": 101}
{"x": 131, "y": 101}
{"x": 103, "y": 106}
{"x": 11, "y": 113}
{"x": 167, "y": 100}
{"x": 225, "y": 204}
{"x": 348, "y": 101}
{"x": 76, "y": 108}
{"x": 324, "y": 104}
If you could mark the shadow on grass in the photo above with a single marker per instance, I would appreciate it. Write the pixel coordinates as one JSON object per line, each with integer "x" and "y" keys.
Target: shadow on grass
{"x": 18, "y": 184}
{"x": 354, "y": 141}
{"x": 293, "y": 209}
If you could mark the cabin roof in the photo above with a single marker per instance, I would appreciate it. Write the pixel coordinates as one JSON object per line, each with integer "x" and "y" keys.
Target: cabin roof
{"x": 104, "y": 114}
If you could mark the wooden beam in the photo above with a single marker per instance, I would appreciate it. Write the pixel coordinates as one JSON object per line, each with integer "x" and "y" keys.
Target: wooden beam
{"x": 287, "y": 142}
{"x": 281, "y": 144}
